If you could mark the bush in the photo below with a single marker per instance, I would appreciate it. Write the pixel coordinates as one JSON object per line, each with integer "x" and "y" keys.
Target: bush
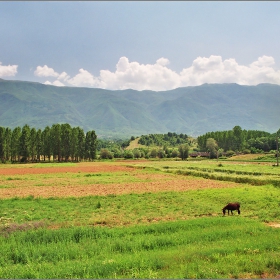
{"x": 105, "y": 154}
{"x": 136, "y": 153}
{"x": 117, "y": 153}
{"x": 174, "y": 153}
{"x": 230, "y": 153}
{"x": 128, "y": 154}
{"x": 161, "y": 153}
{"x": 153, "y": 153}
{"x": 256, "y": 151}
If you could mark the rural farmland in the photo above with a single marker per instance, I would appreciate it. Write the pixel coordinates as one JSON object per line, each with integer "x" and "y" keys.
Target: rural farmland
{"x": 139, "y": 219}
{"x": 139, "y": 140}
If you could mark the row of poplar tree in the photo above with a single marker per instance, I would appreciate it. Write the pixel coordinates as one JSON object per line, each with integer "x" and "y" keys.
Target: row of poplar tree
{"x": 60, "y": 142}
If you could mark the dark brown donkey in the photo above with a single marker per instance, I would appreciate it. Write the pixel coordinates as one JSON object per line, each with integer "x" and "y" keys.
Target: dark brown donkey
{"x": 231, "y": 207}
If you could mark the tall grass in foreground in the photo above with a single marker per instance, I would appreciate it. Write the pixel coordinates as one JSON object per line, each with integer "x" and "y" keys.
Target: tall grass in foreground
{"x": 214, "y": 247}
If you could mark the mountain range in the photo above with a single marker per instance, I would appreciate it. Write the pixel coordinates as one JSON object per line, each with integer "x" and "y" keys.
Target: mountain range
{"x": 122, "y": 113}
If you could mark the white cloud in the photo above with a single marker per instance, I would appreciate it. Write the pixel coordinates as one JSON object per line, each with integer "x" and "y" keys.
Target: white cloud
{"x": 58, "y": 83}
{"x": 63, "y": 76}
{"x": 163, "y": 61}
{"x": 84, "y": 78}
{"x": 215, "y": 70}
{"x": 7, "y": 71}
{"x": 157, "y": 76}
{"x": 45, "y": 71}
{"x": 55, "y": 83}
{"x": 140, "y": 76}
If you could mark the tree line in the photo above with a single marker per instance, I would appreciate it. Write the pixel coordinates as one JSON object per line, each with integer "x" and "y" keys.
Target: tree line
{"x": 239, "y": 140}
{"x": 155, "y": 152}
{"x": 170, "y": 139}
{"x": 170, "y": 145}
{"x": 60, "y": 142}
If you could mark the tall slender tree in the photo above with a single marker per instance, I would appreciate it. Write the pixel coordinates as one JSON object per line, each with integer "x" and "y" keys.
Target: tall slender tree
{"x": 56, "y": 141}
{"x": 39, "y": 150}
{"x": 238, "y": 138}
{"x": 2, "y": 143}
{"x": 90, "y": 145}
{"x": 24, "y": 143}
{"x": 16, "y": 133}
{"x": 46, "y": 143}
{"x": 81, "y": 144}
{"x": 8, "y": 139}
{"x": 277, "y": 147}
{"x": 32, "y": 142}
{"x": 65, "y": 141}
{"x": 74, "y": 144}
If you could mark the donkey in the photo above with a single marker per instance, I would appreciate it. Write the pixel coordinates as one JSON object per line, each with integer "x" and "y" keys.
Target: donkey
{"x": 231, "y": 207}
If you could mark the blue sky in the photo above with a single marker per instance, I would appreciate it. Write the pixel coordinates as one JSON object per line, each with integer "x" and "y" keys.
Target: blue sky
{"x": 156, "y": 45}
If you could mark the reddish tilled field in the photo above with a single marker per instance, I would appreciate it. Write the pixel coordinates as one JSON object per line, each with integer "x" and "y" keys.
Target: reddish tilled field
{"x": 81, "y": 167}
{"x": 39, "y": 185}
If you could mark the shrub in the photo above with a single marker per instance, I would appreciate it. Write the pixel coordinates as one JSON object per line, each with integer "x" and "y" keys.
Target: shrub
{"x": 161, "y": 153}
{"x": 174, "y": 153}
{"x": 153, "y": 153}
{"x": 230, "y": 153}
{"x": 136, "y": 153}
{"x": 105, "y": 154}
{"x": 128, "y": 154}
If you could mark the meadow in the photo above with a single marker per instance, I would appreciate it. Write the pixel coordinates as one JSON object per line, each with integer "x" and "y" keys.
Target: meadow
{"x": 139, "y": 219}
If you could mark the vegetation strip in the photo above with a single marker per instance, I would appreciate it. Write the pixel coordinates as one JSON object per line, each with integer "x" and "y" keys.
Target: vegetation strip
{"x": 202, "y": 248}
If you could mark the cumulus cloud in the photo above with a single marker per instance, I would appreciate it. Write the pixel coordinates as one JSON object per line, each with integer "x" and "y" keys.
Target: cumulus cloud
{"x": 63, "y": 76}
{"x": 215, "y": 70}
{"x": 45, "y": 71}
{"x": 84, "y": 78}
{"x": 140, "y": 76}
{"x": 55, "y": 83}
{"x": 158, "y": 76}
{"x": 8, "y": 71}
{"x": 163, "y": 61}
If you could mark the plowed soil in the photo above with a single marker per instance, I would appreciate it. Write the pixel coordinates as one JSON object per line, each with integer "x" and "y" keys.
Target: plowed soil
{"x": 81, "y": 167}
{"x": 54, "y": 186}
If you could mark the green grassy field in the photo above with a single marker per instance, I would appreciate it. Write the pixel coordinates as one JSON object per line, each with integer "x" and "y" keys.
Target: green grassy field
{"x": 152, "y": 234}
{"x": 256, "y": 173}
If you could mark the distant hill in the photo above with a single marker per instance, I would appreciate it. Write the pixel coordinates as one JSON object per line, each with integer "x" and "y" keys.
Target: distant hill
{"x": 190, "y": 110}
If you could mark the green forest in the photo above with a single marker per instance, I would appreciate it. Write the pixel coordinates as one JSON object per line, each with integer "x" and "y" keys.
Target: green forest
{"x": 169, "y": 139}
{"x": 239, "y": 140}
{"x": 61, "y": 142}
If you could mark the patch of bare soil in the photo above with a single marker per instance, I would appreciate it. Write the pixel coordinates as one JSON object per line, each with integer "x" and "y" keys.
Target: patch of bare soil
{"x": 154, "y": 185}
{"x": 81, "y": 167}
{"x": 275, "y": 225}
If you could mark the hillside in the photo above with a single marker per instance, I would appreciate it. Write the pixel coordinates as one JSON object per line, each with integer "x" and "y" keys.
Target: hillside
{"x": 190, "y": 110}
